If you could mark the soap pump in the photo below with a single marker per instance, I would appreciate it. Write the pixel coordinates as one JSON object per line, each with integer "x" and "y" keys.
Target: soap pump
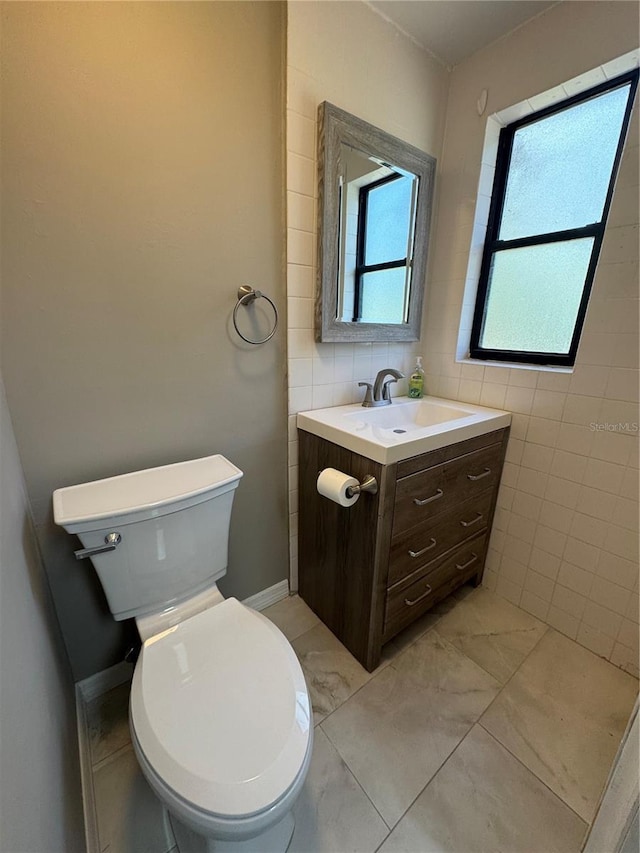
{"x": 416, "y": 380}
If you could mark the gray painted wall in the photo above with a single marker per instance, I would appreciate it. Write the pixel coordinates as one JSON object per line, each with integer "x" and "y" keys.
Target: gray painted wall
{"x": 142, "y": 159}
{"x": 40, "y": 799}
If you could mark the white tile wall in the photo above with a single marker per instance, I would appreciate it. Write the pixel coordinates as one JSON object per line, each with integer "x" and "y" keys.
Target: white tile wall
{"x": 564, "y": 545}
{"x": 565, "y": 540}
{"x": 333, "y": 52}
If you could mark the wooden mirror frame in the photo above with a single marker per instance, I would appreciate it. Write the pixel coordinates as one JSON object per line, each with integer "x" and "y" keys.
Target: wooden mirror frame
{"x": 337, "y": 127}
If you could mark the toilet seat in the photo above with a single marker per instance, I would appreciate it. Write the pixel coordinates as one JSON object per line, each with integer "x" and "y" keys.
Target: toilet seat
{"x": 220, "y": 711}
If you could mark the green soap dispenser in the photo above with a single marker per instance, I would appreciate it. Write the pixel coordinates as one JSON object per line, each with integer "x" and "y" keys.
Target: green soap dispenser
{"x": 416, "y": 381}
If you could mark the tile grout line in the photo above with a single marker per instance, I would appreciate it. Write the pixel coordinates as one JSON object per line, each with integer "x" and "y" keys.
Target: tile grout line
{"x": 476, "y": 722}
{"x": 392, "y": 663}
{"x": 463, "y": 653}
{"x": 464, "y": 736}
{"x": 359, "y": 784}
{"x": 334, "y": 746}
{"x": 320, "y": 725}
{"x": 516, "y": 670}
{"x": 479, "y": 723}
{"x": 344, "y": 760}
{"x": 533, "y": 773}
{"x": 421, "y": 792}
{"x": 108, "y": 759}
{"x": 380, "y": 668}
{"x": 484, "y": 669}
{"x": 496, "y": 738}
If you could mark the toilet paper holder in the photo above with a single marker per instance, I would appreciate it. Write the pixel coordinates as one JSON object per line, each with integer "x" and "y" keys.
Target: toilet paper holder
{"x": 369, "y": 484}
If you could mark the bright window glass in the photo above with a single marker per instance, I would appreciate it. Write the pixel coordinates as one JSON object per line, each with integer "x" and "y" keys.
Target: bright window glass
{"x": 560, "y": 167}
{"x": 534, "y": 296}
{"x": 555, "y": 173}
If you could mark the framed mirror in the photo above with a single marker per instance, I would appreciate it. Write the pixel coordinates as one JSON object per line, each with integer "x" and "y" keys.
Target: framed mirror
{"x": 375, "y": 200}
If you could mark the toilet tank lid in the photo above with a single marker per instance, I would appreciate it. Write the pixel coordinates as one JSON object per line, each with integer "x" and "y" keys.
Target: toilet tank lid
{"x": 150, "y": 489}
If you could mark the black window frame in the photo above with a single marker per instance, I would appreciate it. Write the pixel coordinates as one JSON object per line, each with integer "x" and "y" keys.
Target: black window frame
{"x": 596, "y": 230}
{"x": 361, "y": 243}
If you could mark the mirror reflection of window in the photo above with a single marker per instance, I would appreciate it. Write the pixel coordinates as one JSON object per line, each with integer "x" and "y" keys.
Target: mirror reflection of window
{"x": 376, "y": 246}
{"x": 384, "y": 249}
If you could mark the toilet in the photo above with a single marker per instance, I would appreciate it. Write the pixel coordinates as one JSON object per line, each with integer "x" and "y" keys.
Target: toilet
{"x": 219, "y": 712}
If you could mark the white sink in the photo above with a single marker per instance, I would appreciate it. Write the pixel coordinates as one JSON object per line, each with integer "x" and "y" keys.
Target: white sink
{"x": 405, "y": 428}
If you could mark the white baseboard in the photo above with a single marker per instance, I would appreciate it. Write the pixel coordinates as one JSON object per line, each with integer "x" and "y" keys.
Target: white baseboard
{"x": 107, "y": 679}
{"x": 86, "y": 690}
{"x": 86, "y": 778}
{"x": 269, "y": 596}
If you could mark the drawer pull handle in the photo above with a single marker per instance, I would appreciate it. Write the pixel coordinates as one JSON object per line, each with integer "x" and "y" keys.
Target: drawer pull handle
{"x": 439, "y": 493}
{"x": 473, "y": 521}
{"x": 427, "y": 592}
{"x": 466, "y": 565}
{"x": 481, "y": 476}
{"x": 431, "y": 545}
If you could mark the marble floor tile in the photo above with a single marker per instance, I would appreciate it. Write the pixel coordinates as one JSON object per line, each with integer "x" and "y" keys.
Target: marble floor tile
{"x": 563, "y": 714}
{"x": 331, "y": 672}
{"x": 491, "y": 631}
{"x": 483, "y": 799}
{"x": 108, "y": 722}
{"x": 332, "y": 812}
{"x": 397, "y": 730}
{"x": 130, "y": 816}
{"x": 292, "y": 616}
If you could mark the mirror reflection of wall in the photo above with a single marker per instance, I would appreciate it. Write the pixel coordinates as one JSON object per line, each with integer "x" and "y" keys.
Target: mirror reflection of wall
{"x": 378, "y": 206}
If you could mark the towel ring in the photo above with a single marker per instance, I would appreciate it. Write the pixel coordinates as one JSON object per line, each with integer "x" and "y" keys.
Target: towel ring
{"x": 247, "y": 295}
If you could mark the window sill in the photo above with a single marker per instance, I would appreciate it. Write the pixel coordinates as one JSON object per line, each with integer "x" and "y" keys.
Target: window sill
{"x": 547, "y": 368}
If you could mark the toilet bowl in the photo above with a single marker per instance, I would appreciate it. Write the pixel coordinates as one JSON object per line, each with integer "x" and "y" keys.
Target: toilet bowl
{"x": 220, "y": 721}
{"x": 220, "y": 716}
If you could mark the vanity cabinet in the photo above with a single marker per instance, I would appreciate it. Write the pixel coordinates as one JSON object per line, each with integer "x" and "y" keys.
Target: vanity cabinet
{"x": 370, "y": 569}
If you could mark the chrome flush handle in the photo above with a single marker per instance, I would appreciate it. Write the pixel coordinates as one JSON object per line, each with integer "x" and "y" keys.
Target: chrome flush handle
{"x": 111, "y": 542}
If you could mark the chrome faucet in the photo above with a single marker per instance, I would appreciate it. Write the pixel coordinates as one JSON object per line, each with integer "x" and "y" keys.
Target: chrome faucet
{"x": 379, "y": 394}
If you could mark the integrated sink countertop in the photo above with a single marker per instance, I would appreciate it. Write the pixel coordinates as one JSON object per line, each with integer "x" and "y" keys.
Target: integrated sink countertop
{"x": 405, "y": 428}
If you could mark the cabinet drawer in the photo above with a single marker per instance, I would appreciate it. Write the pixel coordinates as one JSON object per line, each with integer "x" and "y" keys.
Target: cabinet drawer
{"x": 417, "y": 547}
{"x": 428, "y": 493}
{"x": 451, "y": 451}
{"x": 404, "y": 605}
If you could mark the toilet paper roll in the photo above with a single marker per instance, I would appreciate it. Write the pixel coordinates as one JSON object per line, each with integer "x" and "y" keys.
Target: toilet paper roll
{"x": 333, "y": 484}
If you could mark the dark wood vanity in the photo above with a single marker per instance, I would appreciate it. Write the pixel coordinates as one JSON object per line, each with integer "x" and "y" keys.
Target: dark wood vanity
{"x": 370, "y": 569}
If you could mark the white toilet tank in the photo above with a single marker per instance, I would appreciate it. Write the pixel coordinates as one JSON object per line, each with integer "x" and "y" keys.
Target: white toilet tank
{"x": 174, "y": 523}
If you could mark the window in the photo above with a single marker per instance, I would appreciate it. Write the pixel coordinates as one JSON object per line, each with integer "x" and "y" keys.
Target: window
{"x": 385, "y": 217}
{"x": 555, "y": 174}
